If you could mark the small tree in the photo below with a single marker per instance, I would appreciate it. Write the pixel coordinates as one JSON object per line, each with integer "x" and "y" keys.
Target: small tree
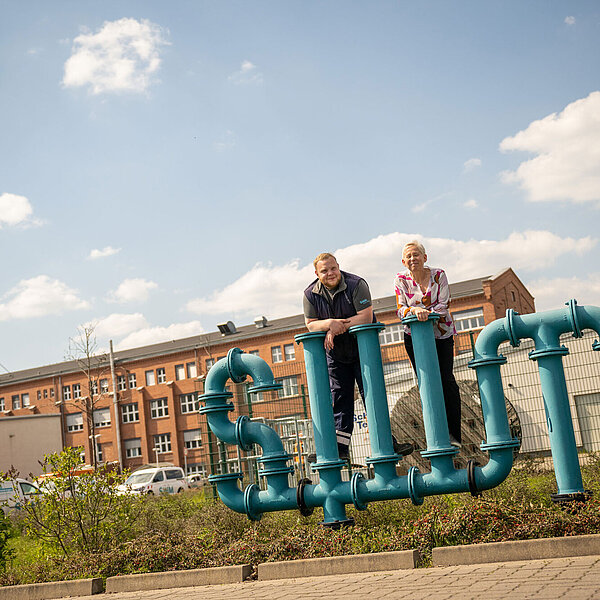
{"x": 79, "y": 512}
{"x": 6, "y": 553}
{"x": 83, "y": 349}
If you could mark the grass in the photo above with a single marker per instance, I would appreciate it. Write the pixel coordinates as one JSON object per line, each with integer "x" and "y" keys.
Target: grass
{"x": 192, "y": 531}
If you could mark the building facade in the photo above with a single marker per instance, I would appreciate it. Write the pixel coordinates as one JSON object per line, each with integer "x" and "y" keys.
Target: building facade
{"x": 145, "y": 408}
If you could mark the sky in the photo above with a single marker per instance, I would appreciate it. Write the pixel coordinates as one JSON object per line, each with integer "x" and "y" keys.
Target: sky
{"x": 165, "y": 167}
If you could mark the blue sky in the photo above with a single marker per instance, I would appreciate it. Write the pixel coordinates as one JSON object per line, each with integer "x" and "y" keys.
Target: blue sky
{"x": 168, "y": 166}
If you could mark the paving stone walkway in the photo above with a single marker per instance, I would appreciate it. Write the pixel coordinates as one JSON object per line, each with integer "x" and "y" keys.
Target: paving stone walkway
{"x": 575, "y": 578}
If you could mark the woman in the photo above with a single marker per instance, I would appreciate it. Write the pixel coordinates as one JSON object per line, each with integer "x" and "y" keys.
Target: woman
{"x": 421, "y": 290}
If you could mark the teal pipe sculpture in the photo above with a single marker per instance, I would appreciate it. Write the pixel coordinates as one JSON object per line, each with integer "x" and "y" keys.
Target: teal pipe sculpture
{"x": 333, "y": 494}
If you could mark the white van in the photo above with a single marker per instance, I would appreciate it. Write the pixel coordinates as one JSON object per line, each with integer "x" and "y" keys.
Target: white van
{"x": 156, "y": 480}
{"x": 16, "y": 492}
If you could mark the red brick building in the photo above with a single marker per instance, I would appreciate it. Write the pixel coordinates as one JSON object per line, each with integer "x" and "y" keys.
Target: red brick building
{"x": 150, "y": 410}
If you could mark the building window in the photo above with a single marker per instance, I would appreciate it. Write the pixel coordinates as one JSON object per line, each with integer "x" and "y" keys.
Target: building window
{"x": 39, "y": 395}
{"x": 209, "y": 362}
{"x": 392, "y": 334}
{"x": 45, "y": 393}
{"x": 76, "y": 391}
{"x": 159, "y": 408}
{"x": 290, "y": 387}
{"x": 132, "y": 380}
{"x": 66, "y": 392}
{"x": 51, "y": 392}
{"x": 179, "y": 372}
{"x": 121, "y": 383}
{"x": 130, "y": 413}
{"x": 196, "y": 469}
{"x": 468, "y": 319}
{"x": 75, "y": 422}
{"x": 189, "y": 403}
{"x": 104, "y": 386}
{"x": 99, "y": 457}
{"x": 162, "y": 443}
{"x": 2, "y": 405}
{"x": 16, "y": 402}
{"x": 276, "y": 355}
{"x": 102, "y": 417}
{"x": 94, "y": 387}
{"x": 514, "y": 298}
{"x": 289, "y": 352}
{"x": 161, "y": 375}
{"x": 191, "y": 370}
{"x": 254, "y": 352}
{"x": 150, "y": 378}
{"x": 24, "y": 400}
{"x": 133, "y": 447}
{"x": 192, "y": 439}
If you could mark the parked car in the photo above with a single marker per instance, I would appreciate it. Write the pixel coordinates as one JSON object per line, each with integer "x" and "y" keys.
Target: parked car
{"x": 197, "y": 481}
{"x": 155, "y": 480}
{"x": 16, "y": 492}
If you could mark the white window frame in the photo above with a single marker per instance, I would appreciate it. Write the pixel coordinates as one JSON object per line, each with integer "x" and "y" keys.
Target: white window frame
{"x": 188, "y": 403}
{"x": 66, "y": 392}
{"x": 392, "y": 334}
{"x": 102, "y": 417}
{"x": 94, "y": 390}
{"x": 2, "y": 404}
{"x": 130, "y": 413}
{"x": 121, "y": 383}
{"x": 104, "y": 386}
{"x": 197, "y": 469}
{"x": 209, "y": 363}
{"x": 289, "y": 352}
{"x": 191, "y": 370}
{"x": 25, "y": 400}
{"x": 16, "y": 402}
{"x": 150, "y": 377}
{"x": 133, "y": 447}
{"x": 290, "y": 387}
{"x": 159, "y": 408}
{"x": 468, "y": 320}
{"x": 192, "y": 439}
{"x": 161, "y": 375}
{"x": 132, "y": 380}
{"x": 162, "y": 441}
{"x": 74, "y": 422}
{"x": 276, "y": 354}
{"x": 179, "y": 372}
{"x": 76, "y": 391}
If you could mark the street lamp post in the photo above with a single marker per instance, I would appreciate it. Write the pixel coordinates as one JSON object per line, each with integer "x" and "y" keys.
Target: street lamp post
{"x": 157, "y": 452}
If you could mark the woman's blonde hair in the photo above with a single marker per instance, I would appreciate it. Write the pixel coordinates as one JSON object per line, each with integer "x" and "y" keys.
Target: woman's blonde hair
{"x": 416, "y": 244}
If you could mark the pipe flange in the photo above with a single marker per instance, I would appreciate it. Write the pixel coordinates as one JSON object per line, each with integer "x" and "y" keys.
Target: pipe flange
{"x": 226, "y": 407}
{"x": 224, "y": 477}
{"x": 239, "y": 433}
{"x": 232, "y": 374}
{"x": 305, "y": 511}
{"x": 572, "y": 312}
{"x": 412, "y": 492}
{"x": 471, "y": 464}
{"x": 536, "y": 354}
{"x": 512, "y": 337}
{"x": 490, "y": 360}
{"x": 514, "y": 443}
{"x": 248, "y": 493}
{"x": 356, "y": 478}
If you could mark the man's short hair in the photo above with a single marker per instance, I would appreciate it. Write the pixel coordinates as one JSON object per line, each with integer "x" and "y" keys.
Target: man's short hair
{"x": 416, "y": 244}
{"x": 323, "y": 256}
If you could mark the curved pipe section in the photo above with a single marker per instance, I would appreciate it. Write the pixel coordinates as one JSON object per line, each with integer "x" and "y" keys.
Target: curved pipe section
{"x": 278, "y": 496}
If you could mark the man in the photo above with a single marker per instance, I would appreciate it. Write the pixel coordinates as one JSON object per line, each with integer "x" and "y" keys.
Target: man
{"x": 333, "y": 303}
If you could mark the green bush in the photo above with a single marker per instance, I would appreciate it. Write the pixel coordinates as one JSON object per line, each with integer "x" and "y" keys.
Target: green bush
{"x": 5, "y": 534}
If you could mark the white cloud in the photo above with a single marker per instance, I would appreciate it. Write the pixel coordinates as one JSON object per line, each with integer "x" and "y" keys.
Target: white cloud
{"x": 15, "y": 210}
{"x": 471, "y": 164}
{"x": 276, "y": 290}
{"x": 247, "y": 74}
{"x": 567, "y": 145}
{"x": 570, "y": 20}
{"x": 123, "y": 56}
{"x": 132, "y": 290}
{"x": 471, "y": 203}
{"x": 553, "y": 293}
{"x": 118, "y": 325}
{"x": 106, "y": 251}
{"x": 227, "y": 142}
{"x": 38, "y": 297}
{"x": 154, "y": 335}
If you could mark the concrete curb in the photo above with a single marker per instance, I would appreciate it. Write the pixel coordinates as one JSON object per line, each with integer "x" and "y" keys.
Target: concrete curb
{"x": 338, "y": 565}
{"x": 54, "y": 589}
{"x": 580, "y": 545}
{"x": 177, "y": 579}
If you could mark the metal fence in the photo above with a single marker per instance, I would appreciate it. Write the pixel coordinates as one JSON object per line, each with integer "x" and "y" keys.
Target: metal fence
{"x": 288, "y": 410}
